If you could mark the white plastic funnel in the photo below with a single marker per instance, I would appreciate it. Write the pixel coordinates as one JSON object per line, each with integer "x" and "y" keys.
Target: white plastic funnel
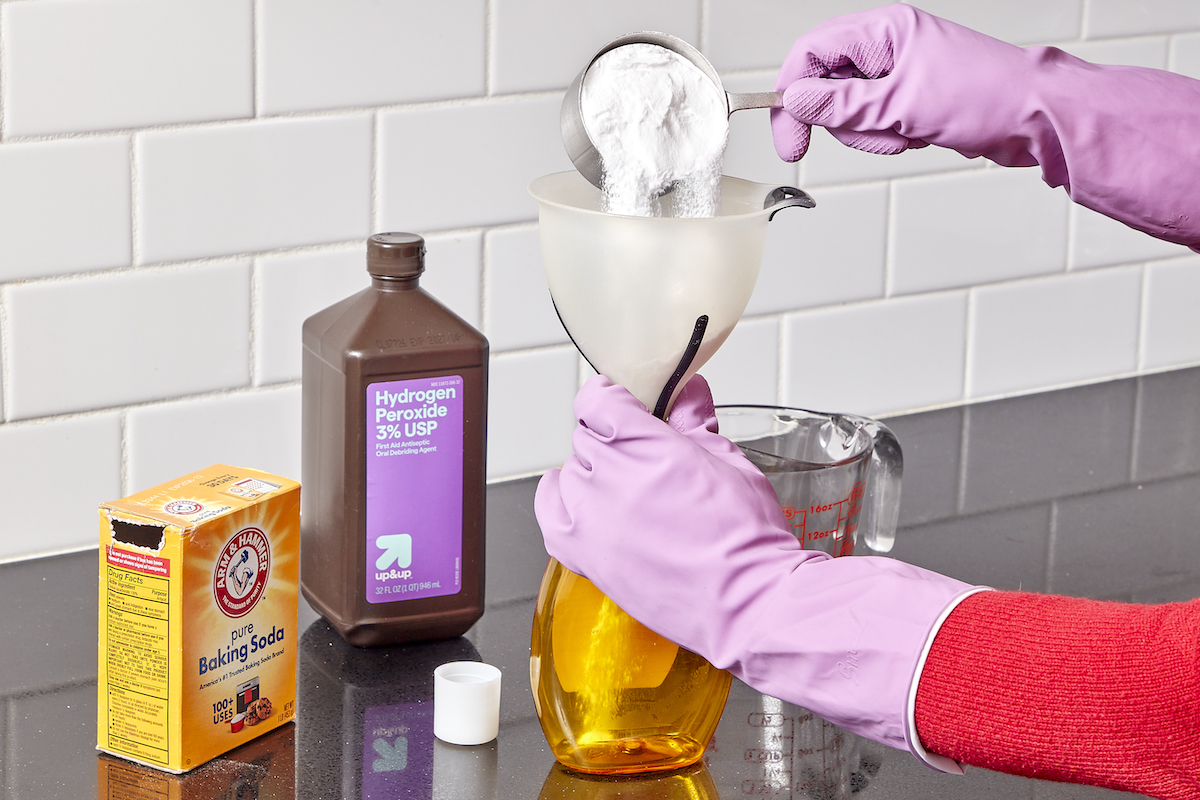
{"x": 630, "y": 290}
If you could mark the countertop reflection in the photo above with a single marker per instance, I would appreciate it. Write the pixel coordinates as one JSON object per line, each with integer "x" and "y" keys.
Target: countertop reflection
{"x": 1089, "y": 491}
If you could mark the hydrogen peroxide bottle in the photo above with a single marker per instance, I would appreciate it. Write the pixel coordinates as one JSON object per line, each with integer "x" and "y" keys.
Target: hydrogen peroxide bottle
{"x": 614, "y": 697}
{"x": 393, "y": 475}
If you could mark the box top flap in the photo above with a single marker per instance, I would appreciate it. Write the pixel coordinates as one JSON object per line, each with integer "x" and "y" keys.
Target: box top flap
{"x": 200, "y": 496}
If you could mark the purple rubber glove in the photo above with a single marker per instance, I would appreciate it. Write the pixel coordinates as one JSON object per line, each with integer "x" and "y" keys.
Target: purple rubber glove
{"x": 684, "y": 534}
{"x": 1124, "y": 141}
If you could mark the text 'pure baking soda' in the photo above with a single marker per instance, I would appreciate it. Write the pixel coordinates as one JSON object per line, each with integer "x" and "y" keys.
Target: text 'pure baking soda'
{"x": 198, "y": 603}
{"x": 659, "y": 124}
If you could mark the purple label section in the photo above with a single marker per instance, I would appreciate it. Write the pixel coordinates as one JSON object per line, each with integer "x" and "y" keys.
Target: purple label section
{"x": 414, "y": 488}
{"x": 397, "y": 751}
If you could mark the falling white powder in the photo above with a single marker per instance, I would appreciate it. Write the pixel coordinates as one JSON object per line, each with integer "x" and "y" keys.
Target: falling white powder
{"x": 659, "y": 124}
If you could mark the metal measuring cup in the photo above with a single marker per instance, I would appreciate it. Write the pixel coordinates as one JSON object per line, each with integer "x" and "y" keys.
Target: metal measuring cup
{"x": 575, "y": 136}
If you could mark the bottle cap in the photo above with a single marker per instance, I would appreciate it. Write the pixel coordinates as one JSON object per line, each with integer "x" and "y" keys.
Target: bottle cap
{"x": 396, "y": 255}
{"x": 466, "y": 702}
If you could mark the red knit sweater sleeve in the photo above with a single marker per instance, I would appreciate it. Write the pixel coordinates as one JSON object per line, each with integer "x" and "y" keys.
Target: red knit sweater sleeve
{"x": 1067, "y": 689}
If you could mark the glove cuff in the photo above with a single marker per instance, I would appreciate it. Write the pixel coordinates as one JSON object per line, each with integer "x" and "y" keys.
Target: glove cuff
{"x": 938, "y": 762}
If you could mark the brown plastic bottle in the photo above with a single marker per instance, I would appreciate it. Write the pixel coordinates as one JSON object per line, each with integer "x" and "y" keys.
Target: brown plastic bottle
{"x": 394, "y": 451}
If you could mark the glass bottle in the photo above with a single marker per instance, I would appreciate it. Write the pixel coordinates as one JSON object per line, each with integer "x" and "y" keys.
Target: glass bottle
{"x": 614, "y": 697}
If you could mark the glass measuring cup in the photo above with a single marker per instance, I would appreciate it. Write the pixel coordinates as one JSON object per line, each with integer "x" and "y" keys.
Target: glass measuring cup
{"x": 836, "y": 475}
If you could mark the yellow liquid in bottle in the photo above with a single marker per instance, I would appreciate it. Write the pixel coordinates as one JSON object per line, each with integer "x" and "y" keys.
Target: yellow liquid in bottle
{"x": 614, "y": 697}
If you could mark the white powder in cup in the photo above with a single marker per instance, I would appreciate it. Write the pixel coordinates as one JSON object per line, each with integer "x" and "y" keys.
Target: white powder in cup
{"x": 659, "y": 124}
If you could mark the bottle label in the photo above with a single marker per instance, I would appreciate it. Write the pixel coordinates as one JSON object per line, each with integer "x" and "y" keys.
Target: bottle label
{"x": 414, "y": 488}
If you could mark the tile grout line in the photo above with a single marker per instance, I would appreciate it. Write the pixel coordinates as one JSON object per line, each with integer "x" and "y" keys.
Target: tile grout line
{"x": 5, "y": 357}
{"x": 479, "y": 277}
{"x": 203, "y": 261}
{"x": 213, "y": 394}
{"x": 255, "y": 279}
{"x": 256, "y": 67}
{"x": 375, "y": 213}
{"x": 1051, "y": 546}
{"x": 1072, "y": 254}
{"x": 964, "y": 451}
{"x": 1143, "y": 319}
{"x": 889, "y": 241}
{"x": 135, "y": 249}
{"x": 289, "y": 116}
{"x": 969, "y": 343}
{"x": 489, "y": 49}
{"x": 3, "y": 80}
{"x": 781, "y": 359}
{"x": 484, "y": 273}
{"x": 8, "y": 746}
{"x": 1136, "y": 439}
{"x": 125, "y": 455}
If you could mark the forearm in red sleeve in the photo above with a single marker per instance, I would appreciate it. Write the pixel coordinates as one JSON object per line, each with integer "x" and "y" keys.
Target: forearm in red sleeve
{"x": 1068, "y": 689}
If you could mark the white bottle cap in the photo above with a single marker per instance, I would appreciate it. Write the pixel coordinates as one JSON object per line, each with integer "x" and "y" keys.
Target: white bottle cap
{"x": 466, "y": 702}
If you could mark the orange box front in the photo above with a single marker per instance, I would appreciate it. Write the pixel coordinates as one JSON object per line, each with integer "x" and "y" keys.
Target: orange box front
{"x": 198, "y": 602}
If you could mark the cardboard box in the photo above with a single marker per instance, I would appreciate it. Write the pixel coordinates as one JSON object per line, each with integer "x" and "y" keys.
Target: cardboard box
{"x": 198, "y": 602}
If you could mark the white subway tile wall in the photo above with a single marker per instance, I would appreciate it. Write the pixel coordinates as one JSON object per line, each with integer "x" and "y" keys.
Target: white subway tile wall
{"x": 746, "y": 368}
{"x": 454, "y": 272}
{"x": 50, "y": 466}
{"x": 834, "y": 253}
{"x": 1185, "y": 55}
{"x": 75, "y": 66}
{"x": 290, "y": 287}
{"x": 880, "y": 357}
{"x": 64, "y": 207}
{"x": 1171, "y": 324}
{"x": 1148, "y": 51}
{"x": 983, "y": 226}
{"x": 520, "y": 313}
{"x": 215, "y": 190}
{"x": 116, "y": 339}
{"x": 1112, "y": 18}
{"x": 1026, "y": 335}
{"x": 182, "y": 183}
{"x": 540, "y": 45}
{"x": 530, "y": 415}
{"x": 167, "y": 440}
{"x": 317, "y": 55}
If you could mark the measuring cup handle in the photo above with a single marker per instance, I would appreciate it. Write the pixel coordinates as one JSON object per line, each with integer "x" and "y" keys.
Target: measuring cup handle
{"x": 739, "y": 101}
{"x": 881, "y": 500}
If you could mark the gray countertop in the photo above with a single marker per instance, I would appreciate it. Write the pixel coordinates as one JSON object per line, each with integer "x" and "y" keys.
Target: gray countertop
{"x": 1092, "y": 491}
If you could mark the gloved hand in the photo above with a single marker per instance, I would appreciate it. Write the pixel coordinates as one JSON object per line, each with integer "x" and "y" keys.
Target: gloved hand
{"x": 683, "y": 533}
{"x": 1122, "y": 140}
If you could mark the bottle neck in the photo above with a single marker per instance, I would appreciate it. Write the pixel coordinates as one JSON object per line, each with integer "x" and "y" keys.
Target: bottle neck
{"x": 394, "y": 284}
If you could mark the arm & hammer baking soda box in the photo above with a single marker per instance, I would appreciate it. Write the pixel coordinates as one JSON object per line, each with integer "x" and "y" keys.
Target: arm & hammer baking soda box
{"x": 198, "y": 603}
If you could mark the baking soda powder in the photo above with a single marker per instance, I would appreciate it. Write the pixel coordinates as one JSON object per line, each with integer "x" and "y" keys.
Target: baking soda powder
{"x": 659, "y": 124}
